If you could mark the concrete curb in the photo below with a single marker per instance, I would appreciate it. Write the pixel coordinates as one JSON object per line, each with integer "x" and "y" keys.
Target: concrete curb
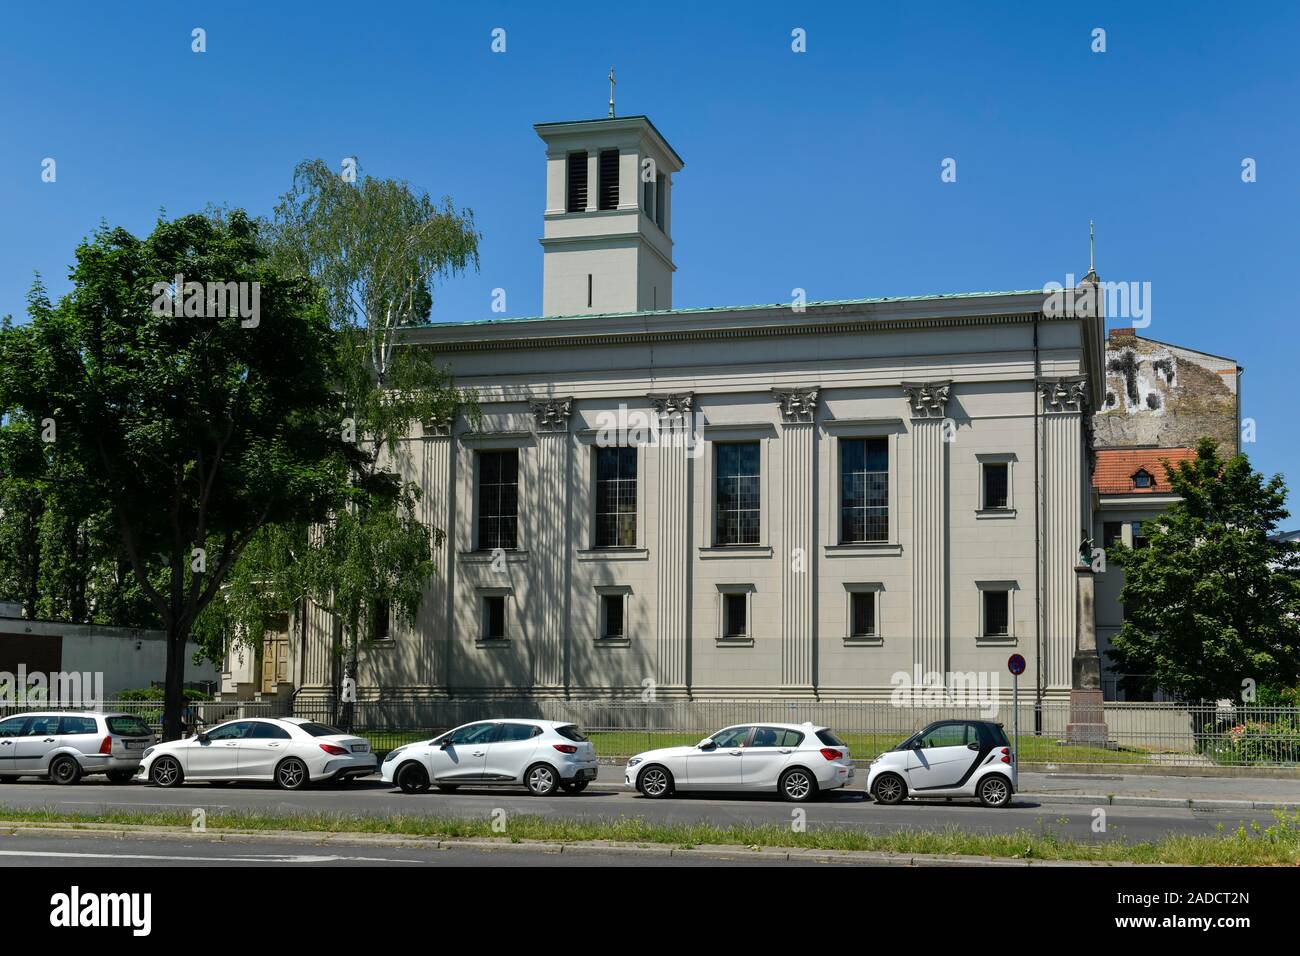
{"x": 738, "y": 854}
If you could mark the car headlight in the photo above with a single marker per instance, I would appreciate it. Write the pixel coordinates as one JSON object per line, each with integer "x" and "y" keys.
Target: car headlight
{"x": 634, "y": 761}
{"x": 148, "y": 752}
{"x": 393, "y": 753}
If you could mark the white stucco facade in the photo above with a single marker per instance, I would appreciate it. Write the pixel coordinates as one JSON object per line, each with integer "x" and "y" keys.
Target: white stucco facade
{"x": 940, "y": 387}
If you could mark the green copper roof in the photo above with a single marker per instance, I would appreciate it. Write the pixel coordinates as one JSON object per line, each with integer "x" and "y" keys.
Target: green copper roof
{"x": 729, "y": 308}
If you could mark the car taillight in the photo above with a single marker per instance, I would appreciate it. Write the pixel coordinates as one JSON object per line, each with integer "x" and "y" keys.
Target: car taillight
{"x": 1006, "y": 755}
{"x": 107, "y": 746}
{"x": 332, "y": 749}
{"x": 831, "y": 754}
{"x": 565, "y": 748}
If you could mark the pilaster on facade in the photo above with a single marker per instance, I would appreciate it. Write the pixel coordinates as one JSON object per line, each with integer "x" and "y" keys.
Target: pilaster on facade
{"x": 798, "y": 411}
{"x": 673, "y": 539}
{"x": 929, "y": 402}
{"x": 1064, "y": 405}
{"x": 549, "y": 545}
{"x": 435, "y": 468}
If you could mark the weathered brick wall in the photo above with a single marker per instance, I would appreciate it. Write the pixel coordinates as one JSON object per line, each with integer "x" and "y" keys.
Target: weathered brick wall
{"x": 1165, "y": 395}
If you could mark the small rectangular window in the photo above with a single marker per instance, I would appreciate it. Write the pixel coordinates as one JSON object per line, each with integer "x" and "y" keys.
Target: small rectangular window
{"x": 1139, "y": 538}
{"x": 996, "y": 485}
{"x": 734, "y": 607}
{"x": 1112, "y": 533}
{"x": 577, "y": 182}
{"x": 608, "y": 179}
{"x": 494, "y": 617}
{"x": 661, "y": 197}
{"x": 379, "y": 624}
{"x": 611, "y": 613}
{"x": 648, "y": 198}
{"x": 997, "y": 616}
{"x": 863, "y": 607}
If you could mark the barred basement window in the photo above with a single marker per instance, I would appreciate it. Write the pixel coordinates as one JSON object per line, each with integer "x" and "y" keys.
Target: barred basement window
{"x": 864, "y": 490}
{"x": 615, "y": 498}
{"x": 996, "y": 486}
{"x": 577, "y": 182}
{"x": 608, "y": 179}
{"x": 997, "y": 613}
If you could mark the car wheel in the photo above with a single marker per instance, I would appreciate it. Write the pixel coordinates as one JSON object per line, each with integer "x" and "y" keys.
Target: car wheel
{"x": 412, "y": 778}
{"x": 166, "y": 772}
{"x": 655, "y": 782}
{"x": 797, "y": 785}
{"x": 542, "y": 780}
{"x": 995, "y": 790}
{"x": 65, "y": 771}
{"x": 575, "y": 786}
{"x": 292, "y": 774}
{"x": 448, "y": 787}
{"x": 889, "y": 789}
{"x": 120, "y": 776}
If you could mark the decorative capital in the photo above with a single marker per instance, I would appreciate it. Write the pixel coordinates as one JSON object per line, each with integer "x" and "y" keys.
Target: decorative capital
{"x": 552, "y": 414}
{"x": 672, "y": 404}
{"x": 798, "y": 405}
{"x": 1064, "y": 394}
{"x": 439, "y": 426}
{"x": 928, "y": 399}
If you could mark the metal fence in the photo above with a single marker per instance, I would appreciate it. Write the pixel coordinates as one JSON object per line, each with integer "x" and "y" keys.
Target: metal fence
{"x": 1170, "y": 734}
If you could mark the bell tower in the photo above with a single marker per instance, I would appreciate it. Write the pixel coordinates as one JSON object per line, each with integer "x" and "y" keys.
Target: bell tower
{"x": 607, "y": 230}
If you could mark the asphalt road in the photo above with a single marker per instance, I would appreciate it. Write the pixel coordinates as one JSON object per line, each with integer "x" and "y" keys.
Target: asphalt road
{"x": 848, "y": 809}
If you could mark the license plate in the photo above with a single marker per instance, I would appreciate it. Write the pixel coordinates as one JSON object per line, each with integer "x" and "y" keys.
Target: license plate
{"x": 135, "y": 745}
{"x": 587, "y": 773}
{"x": 361, "y": 748}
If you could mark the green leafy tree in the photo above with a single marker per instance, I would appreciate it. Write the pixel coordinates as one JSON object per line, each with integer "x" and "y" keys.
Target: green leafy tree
{"x": 1211, "y": 602}
{"x": 198, "y": 428}
{"x": 377, "y": 248}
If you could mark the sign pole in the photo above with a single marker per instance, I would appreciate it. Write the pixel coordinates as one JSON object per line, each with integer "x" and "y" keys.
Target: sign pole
{"x": 1015, "y": 664}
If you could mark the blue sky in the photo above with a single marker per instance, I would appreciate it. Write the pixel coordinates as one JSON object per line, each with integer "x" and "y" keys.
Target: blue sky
{"x": 817, "y": 170}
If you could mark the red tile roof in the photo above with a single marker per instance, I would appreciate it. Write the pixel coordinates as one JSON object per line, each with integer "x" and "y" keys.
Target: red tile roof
{"x": 1117, "y": 466}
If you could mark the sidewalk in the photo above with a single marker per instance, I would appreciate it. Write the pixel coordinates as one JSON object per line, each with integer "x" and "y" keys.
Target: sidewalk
{"x": 1093, "y": 789}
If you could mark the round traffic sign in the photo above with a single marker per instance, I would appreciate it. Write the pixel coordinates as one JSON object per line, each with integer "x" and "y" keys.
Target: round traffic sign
{"x": 1016, "y": 664}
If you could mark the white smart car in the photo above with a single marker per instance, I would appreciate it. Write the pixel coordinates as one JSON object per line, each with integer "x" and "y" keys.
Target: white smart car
{"x": 289, "y": 751}
{"x": 949, "y": 758}
{"x": 798, "y": 761}
{"x": 543, "y": 755}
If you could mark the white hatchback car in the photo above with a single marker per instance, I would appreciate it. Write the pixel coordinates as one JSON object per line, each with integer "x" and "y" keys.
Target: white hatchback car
{"x": 949, "y": 758}
{"x": 798, "y": 761}
{"x": 291, "y": 751}
{"x": 64, "y": 746}
{"x": 543, "y": 755}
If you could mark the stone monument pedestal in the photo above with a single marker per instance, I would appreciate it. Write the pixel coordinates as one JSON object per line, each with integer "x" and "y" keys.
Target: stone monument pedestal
{"x": 1087, "y": 704}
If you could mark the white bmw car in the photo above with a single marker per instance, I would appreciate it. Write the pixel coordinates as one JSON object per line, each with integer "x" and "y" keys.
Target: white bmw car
{"x": 543, "y": 755}
{"x": 797, "y": 761}
{"x": 289, "y": 751}
{"x": 949, "y": 758}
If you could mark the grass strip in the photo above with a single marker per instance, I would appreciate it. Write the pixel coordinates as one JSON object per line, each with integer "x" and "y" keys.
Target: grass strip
{"x": 1277, "y": 844}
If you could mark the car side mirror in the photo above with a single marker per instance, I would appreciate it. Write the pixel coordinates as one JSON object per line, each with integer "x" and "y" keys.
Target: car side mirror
{"x": 706, "y": 744}
{"x": 445, "y": 744}
{"x": 202, "y": 738}
{"x": 972, "y": 746}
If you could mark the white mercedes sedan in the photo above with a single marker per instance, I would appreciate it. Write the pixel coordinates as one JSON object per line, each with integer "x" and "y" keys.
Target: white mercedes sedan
{"x": 797, "y": 761}
{"x": 289, "y": 751}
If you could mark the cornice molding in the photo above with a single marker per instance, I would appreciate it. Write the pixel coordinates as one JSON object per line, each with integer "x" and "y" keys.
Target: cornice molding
{"x": 597, "y": 339}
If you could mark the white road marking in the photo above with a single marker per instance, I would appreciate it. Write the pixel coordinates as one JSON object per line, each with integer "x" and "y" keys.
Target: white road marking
{"x": 242, "y": 858}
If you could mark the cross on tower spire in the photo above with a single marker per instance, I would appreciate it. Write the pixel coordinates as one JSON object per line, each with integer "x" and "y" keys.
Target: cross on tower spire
{"x": 611, "y": 92}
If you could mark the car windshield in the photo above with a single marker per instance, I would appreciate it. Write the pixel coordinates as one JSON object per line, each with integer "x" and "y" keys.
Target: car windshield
{"x": 129, "y": 725}
{"x": 320, "y": 730}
